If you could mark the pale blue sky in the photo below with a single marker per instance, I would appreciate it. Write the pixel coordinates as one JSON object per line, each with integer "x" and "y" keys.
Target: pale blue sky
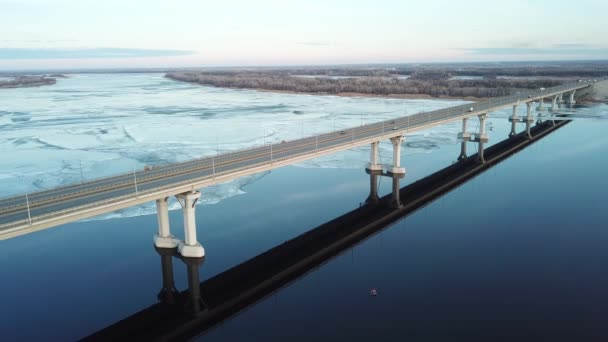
{"x": 147, "y": 33}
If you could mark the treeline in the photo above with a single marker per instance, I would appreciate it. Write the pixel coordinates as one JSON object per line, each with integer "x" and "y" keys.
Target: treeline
{"x": 439, "y": 87}
{"x": 27, "y": 81}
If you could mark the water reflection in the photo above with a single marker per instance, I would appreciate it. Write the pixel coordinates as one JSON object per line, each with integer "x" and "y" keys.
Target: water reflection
{"x": 181, "y": 315}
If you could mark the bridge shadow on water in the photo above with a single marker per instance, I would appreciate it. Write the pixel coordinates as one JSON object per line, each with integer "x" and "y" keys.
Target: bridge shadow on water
{"x": 181, "y": 315}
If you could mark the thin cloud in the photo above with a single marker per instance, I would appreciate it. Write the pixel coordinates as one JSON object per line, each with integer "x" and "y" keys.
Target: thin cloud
{"x": 33, "y": 53}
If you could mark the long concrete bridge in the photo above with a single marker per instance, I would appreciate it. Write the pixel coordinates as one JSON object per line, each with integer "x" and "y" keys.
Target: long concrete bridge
{"x": 193, "y": 311}
{"x": 27, "y": 213}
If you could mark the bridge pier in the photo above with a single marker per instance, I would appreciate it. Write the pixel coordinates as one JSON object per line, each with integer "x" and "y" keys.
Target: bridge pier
{"x": 190, "y": 247}
{"x": 373, "y": 160}
{"x": 571, "y": 99}
{"x": 561, "y": 98}
{"x": 164, "y": 239}
{"x": 514, "y": 120}
{"x": 397, "y": 169}
{"x": 168, "y": 294}
{"x": 482, "y": 138}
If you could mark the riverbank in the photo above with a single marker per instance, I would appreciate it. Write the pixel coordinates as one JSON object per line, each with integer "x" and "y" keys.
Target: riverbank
{"x": 420, "y": 86}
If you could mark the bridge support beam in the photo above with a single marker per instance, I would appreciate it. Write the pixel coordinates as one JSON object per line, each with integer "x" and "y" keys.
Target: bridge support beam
{"x": 514, "y": 120}
{"x": 483, "y": 137}
{"x": 164, "y": 239}
{"x": 373, "y": 160}
{"x": 397, "y": 169}
{"x": 571, "y": 99}
{"x": 189, "y": 248}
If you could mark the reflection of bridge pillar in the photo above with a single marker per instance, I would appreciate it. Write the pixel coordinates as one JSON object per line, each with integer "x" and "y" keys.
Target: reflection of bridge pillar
{"x": 189, "y": 248}
{"x": 373, "y": 187}
{"x": 554, "y": 103}
{"x": 194, "y": 304}
{"x": 397, "y": 169}
{"x": 463, "y": 150}
{"x": 168, "y": 294}
{"x": 529, "y": 119}
{"x": 541, "y": 102}
{"x": 571, "y": 99}
{"x": 464, "y": 136}
{"x": 373, "y": 160}
{"x": 483, "y": 137}
{"x": 164, "y": 239}
{"x": 395, "y": 200}
{"x": 514, "y": 119}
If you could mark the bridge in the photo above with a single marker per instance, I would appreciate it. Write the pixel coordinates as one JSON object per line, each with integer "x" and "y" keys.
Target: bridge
{"x": 28, "y": 213}
{"x": 181, "y": 315}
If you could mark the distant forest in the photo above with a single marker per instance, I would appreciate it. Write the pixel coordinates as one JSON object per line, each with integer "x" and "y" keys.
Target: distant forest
{"x": 27, "y": 81}
{"x": 436, "y": 83}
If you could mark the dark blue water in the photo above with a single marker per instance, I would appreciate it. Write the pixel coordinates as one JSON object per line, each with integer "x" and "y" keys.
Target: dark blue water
{"x": 518, "y": 251}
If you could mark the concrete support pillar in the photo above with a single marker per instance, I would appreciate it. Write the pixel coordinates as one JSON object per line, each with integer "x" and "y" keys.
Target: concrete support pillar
{"x": 168, "y": 294}
{"x": 395, "y": 199}
{"x": 373, "y": 197}
{"x": 514, "y": 119}
{"x": 164, "y": 239}
{"x": 373, "y": 159}
{"x": 571, "y": 100}
{"x": 190, "y": 248}
{"x": 561, "y": 98}
{"x": 483, "y": 137}
{"x": 397, "y": 169}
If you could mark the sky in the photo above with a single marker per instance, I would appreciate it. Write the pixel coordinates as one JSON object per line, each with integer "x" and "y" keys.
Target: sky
{"x": 63, "y": 34}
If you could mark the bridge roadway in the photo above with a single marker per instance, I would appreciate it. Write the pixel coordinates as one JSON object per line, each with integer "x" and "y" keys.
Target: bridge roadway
{"x": 20, "y": 215}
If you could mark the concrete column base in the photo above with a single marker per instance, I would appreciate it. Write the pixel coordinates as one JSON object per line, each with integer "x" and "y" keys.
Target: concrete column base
{"x": 191, "y": 251}
{"x": 397, "y": 170}
{"x": 165, "y": 242}
{"x": 374, "y": 167}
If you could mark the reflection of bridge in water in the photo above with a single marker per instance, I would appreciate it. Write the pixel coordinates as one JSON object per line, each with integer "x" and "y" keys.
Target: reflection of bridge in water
{"x": 180, "y": 315}
{"x": 31, "y": 212}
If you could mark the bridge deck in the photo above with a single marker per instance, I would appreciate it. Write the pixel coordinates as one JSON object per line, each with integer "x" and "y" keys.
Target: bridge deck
{"x": 69, "y": 203}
